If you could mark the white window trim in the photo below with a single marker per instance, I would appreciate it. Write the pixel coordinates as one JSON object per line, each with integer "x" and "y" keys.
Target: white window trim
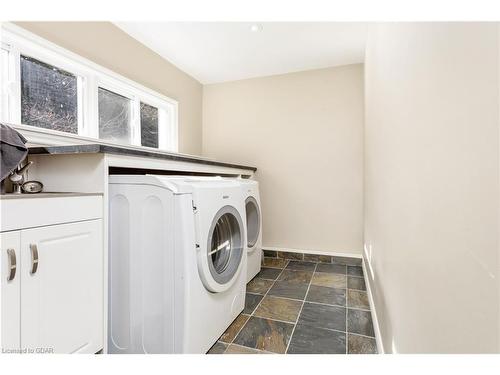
{"x": 91, "y": 76}
{"x": 4, "y": 66}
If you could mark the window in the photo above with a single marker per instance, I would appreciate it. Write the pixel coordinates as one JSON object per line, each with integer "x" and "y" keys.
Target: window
{"x": 149, "y": 125}
{"x": 48, "y": 96}
{"x": 63, "y": 95}
{"x": 114, "y": 116}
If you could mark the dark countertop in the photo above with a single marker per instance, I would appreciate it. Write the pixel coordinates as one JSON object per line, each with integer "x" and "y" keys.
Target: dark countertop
{"x": 95, "y": 148}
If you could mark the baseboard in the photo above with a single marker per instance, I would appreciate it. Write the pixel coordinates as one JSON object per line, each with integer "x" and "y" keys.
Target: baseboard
{"x": 373, "y": 310}
{"x": 315, "y": 252}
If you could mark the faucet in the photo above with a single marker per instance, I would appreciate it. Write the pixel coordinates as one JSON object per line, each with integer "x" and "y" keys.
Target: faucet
{"x": 17, "y": 177}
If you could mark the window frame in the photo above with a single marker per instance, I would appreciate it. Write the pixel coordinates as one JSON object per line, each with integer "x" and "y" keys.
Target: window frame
{"x": 79, "y": 81}
{"x": 4, "y": 74}
{"x": 160, "y": 131}
{"x": 90, "y": 76}
{"x": 122, "y": 91}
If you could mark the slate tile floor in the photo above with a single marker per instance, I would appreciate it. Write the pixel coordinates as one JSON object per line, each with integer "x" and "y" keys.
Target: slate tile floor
{"x": 303, "y": 304}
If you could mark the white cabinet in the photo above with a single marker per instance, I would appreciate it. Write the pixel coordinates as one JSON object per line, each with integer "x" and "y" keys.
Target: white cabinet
{"x": 61, "y": 300}
{"x": 10, "y": 301}
{"x": 54, "y": 302}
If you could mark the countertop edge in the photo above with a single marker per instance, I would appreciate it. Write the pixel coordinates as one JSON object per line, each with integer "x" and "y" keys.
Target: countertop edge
{"x": 95, "y": 148}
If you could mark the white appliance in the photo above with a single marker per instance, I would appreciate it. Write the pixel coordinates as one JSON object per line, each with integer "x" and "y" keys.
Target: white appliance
{"x": 177, "y": 262}
{"x": 253, "y": 226}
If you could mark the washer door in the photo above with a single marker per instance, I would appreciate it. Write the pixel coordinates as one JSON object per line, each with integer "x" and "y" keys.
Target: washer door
{"x": 253, "y": 222}
{"x": 224, "y": 251}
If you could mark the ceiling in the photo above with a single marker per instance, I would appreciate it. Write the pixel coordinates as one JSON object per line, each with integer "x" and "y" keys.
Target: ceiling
{"x": 226, "y": 51}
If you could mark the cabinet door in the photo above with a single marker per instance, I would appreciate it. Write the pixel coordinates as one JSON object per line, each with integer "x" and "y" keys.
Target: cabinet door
{"x": 62, "y": 294}
{"x": 10, "y": 293}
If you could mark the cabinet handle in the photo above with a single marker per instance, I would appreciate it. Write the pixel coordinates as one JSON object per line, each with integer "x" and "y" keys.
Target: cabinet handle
{"x": 11, "y": 254}
{"x": 34, "y": 258}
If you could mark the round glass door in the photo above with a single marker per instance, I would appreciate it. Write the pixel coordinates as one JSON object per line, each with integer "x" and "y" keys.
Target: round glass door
{"x": 253, "y": 221}
{"x": 225, "y": 245}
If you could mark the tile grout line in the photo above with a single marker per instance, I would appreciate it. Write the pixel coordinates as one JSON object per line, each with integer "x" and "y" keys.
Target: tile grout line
{"x": 346, "y": 310}
{"x": 247, "y": 347}
{"x": 301, "y": 307}
{"x": 319, "y": 303}
{"x": 314, "y": 303}
{"x": 347, "y": 289}
{"x": 346, "y": 307}
{"x": 252, "y": 314}
{"x": 256, "y": 307}
{"x": 265, "y": 295}
{"x": 273, "y": 319}
{"x": 323, "y": 328}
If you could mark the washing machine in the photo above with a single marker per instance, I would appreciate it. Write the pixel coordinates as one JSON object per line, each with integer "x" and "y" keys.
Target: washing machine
{"x": 177, "y": 262}
{"x": 253, "y": 226}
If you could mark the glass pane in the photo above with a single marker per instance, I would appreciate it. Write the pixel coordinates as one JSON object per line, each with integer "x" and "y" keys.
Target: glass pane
{"x": 149, "y": 125}
{"x": 49, "y": 96}
{"x": 253, "y": 221}
{"x": 223, "y": 241}
{"x": 114, "y": 116}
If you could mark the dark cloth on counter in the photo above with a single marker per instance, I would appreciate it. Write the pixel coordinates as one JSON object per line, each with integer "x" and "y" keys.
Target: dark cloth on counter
{"x": 12, "y": 149}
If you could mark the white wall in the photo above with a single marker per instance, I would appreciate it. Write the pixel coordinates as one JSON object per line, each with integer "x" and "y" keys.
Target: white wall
{"x": 304, "y": 132}
{"x": 432, "y": 185}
